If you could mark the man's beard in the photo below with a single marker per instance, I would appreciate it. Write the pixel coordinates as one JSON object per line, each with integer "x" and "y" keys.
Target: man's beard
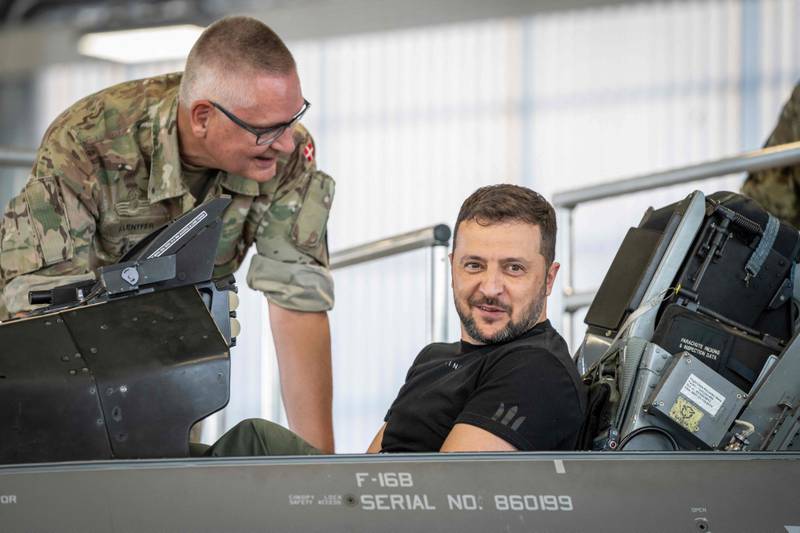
{"x": 513, "y": 329}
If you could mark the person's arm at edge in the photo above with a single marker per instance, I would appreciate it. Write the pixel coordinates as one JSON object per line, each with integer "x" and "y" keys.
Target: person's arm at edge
{"x": 75, "y": 182}
{"x": 303, "y": 348}
{"x": 469, "y": 438}
{"x": 377, "y": 442}
{"x": 462, "y": 438}
{"x": 773, "y": 188}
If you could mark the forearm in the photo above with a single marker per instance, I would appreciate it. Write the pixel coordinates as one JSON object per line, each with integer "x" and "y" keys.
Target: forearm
{"x": 34, "y": 259}
{"x": 376, "y": 444}
{"x": 469, "y": 438}
{"x": 303, "y": 347}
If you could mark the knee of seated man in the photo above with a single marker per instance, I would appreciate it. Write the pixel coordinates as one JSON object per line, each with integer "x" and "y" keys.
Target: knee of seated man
{"x": 255, "y": 436}
{"x": 257, "y": 424}
{"x": 258, "y": 428}
{"x": 249, "y": 437}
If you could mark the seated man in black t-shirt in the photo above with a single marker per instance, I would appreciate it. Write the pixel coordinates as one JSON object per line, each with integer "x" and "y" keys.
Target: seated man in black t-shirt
{"x": 509, "y": 384}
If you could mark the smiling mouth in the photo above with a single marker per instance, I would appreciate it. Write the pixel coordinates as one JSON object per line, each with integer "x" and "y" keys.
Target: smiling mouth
{"x": 490, "y": 309}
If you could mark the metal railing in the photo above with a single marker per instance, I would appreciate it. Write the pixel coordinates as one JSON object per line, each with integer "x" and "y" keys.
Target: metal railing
{"x": 13, "y": 157}
{"x": 437, "y": 238}
{"x": 567, "y": 201}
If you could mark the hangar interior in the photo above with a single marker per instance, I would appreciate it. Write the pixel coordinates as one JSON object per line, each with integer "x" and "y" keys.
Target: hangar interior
{"x": 415, "y": 105}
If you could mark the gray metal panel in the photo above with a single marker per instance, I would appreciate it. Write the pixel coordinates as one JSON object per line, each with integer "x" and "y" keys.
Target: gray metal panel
{"x": 666, "y": 272}
{"x": 160, "y": 363}
{"x": 774, "y": 407}
{"x": 46, "y": 389}
{"x": 668, "y": 269}
{"x": 590, "y": 351}
{"x": 425, "y": 492}
{"x": 648, "y": 375}
{"x": 631, "y": 358}
{"x": 696, "y": 401}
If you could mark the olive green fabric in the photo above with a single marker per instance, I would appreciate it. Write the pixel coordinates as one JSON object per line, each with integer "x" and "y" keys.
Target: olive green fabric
{"x": 778, "y": 189}
{"x": 254, "y": 437}
{"x": 198, "y": 449}
{"x": 197, "y": 179}
{"x": 108, "y": 172}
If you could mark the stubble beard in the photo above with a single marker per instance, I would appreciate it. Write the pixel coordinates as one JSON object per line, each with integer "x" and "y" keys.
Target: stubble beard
{"x": 513, "y": 329}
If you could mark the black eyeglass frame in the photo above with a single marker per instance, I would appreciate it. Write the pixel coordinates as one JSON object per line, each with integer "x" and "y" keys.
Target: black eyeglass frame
{"x": 268, "y": 135}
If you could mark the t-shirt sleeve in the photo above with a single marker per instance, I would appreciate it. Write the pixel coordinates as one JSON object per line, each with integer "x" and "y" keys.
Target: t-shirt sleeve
{"x": 527, "y": 398}
{"x": 291, "y": 266}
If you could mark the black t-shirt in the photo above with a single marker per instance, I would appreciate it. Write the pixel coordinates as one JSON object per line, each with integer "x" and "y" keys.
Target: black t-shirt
{"x": 526, "y": 391}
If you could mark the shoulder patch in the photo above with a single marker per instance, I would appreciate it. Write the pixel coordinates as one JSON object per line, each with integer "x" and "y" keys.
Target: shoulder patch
{"x": 308, "y": 151}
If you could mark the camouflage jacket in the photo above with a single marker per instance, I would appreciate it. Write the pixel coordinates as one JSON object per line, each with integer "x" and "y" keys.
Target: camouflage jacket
{"x": 108, "y": 172}
{"x": 778, "y": 189}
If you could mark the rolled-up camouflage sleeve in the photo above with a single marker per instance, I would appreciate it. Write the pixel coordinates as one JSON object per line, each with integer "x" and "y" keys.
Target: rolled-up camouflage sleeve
{"x": 291, "y": 263}
{"x": 46, "y": 232}
{"x": 778, "y": 189}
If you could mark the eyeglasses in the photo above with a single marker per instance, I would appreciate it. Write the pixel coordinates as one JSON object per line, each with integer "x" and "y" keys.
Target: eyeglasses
{"x": 268, "y": 135}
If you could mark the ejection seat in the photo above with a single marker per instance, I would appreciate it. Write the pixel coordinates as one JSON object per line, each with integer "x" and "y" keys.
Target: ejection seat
{"x": 692, "y": 317}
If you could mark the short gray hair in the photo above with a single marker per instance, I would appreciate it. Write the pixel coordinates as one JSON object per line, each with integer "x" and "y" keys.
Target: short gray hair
{"x": 228, "y": 52}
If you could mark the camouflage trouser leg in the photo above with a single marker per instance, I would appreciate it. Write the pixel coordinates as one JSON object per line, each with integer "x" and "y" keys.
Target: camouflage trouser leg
{"x": 254, "y": 437}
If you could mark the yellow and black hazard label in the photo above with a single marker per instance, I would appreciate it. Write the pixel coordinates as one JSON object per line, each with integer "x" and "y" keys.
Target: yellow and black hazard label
{"x": 686, "y": 414}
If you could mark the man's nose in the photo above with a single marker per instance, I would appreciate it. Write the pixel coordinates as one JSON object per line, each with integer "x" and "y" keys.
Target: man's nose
{"x": 492, "y": 282}
{"x": 285, "y": 143}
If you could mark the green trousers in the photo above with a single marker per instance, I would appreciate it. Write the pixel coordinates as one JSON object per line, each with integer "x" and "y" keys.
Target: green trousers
{"x": 253, "y": 437}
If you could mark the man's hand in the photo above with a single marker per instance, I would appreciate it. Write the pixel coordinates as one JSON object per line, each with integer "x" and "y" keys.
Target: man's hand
{"x": 468, "y": 438}
{"x": 303, "y": 346}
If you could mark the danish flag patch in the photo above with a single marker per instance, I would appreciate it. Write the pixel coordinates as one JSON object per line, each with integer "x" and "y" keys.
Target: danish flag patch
{"x": 308, "y": 151}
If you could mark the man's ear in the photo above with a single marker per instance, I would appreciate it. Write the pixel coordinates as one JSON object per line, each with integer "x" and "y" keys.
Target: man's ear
{"x": 551, "y": 276}
{"x": 199, "y": 115}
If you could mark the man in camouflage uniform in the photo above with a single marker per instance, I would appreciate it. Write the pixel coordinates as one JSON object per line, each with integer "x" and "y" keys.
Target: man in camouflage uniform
{"x": 120, "y": 163}
{"x": 778, "y": 189}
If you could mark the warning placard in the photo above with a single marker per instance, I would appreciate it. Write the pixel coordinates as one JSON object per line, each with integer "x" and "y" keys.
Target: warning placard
{"x": 702, "y": 394}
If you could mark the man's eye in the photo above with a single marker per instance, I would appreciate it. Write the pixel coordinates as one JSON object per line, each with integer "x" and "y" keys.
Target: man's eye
{"x": 516, "y": 268}
{"x": 269, "y": 131}
{"x": 472, "y": 265}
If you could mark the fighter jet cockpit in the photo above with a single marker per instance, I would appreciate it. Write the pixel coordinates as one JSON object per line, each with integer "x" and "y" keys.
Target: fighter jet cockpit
{"x": 690, "y": 350}
{"x": 690, "y": 343}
